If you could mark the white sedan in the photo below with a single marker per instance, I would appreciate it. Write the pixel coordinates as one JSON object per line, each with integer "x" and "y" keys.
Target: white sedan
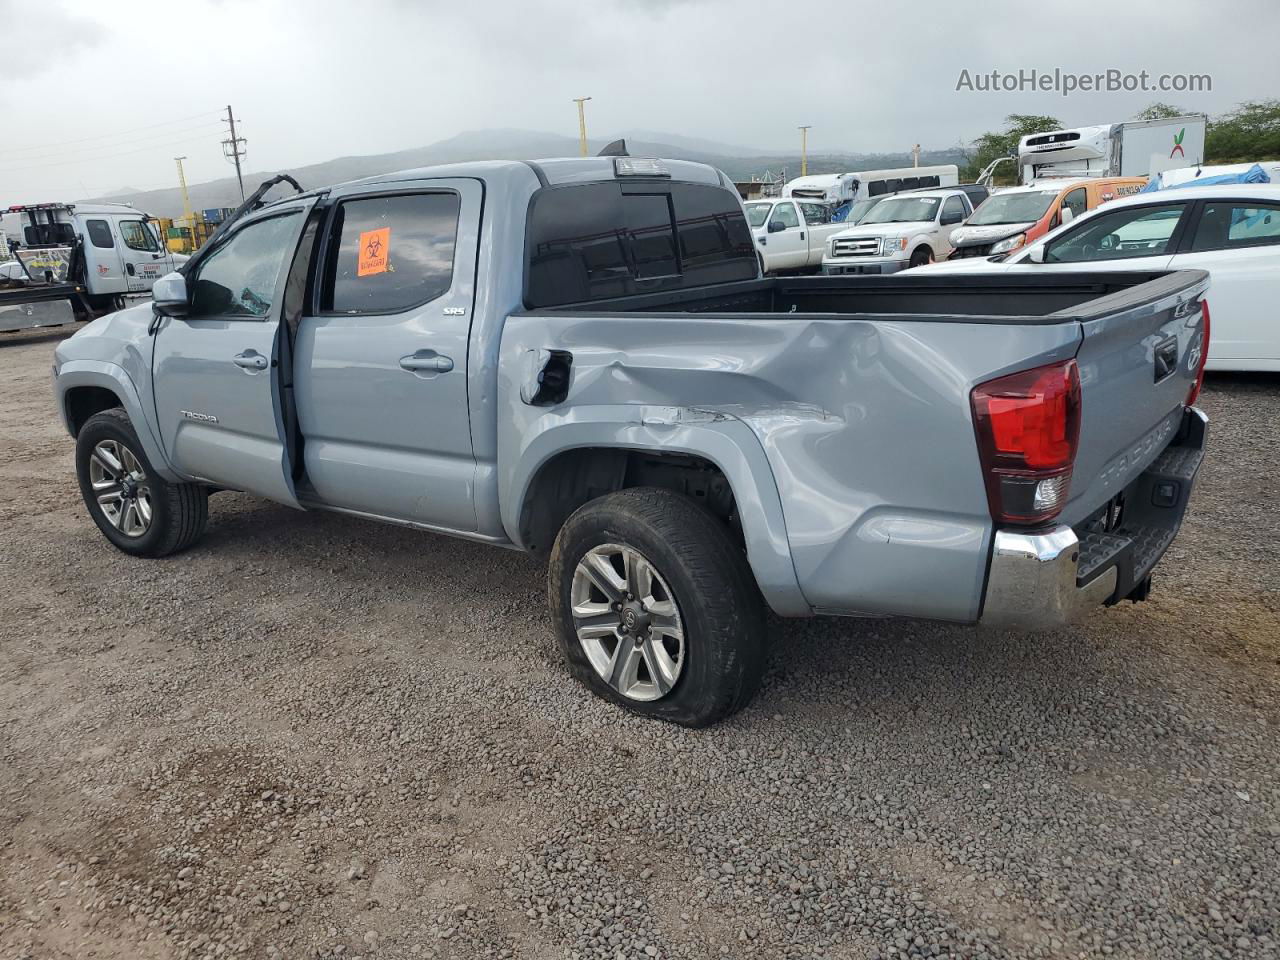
{"x": 1232, "y": 231}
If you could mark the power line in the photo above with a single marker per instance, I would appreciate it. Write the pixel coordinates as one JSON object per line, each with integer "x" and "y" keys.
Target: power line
{"x": 114, "y": 133}
{"x": 106, "y": 156}
{"x": 92, "y": 151}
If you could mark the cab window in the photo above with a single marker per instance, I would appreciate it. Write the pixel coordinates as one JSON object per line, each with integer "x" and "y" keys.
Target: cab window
{"x": 1077, "y": 201}
{"x": 953, "y": 211}
{"x": 136, "y": 236}
{"x": 1226, "y": 226}
{"x": 785, "y": 214}
{"x": 1132, "y": 232}
{"x": 239, "y": 279}
{"x": 100, "y": 234}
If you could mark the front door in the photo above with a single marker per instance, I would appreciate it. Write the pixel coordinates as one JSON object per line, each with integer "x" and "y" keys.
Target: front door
{"x": 145, "y": 258}
{"x": 788, "y": 247}
{"x": 216, "y": 382}
{"x": 380, "y": 367}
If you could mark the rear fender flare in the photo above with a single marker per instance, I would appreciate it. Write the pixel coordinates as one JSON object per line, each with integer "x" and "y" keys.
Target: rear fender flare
{"x": 725, "y": 441}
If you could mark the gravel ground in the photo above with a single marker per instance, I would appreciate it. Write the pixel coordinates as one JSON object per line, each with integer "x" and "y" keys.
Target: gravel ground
{"x": 317, "y": 737}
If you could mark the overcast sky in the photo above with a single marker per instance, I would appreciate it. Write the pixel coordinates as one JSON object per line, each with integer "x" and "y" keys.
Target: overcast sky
{"x": 97, "y": 96}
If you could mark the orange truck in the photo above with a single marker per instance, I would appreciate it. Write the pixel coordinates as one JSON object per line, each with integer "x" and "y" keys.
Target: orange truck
{"x": 1012, "y": 218}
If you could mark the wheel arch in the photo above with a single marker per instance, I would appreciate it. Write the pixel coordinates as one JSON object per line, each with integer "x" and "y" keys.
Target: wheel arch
{"x": 569, "y": 464}
{"x": 86, "y": 387}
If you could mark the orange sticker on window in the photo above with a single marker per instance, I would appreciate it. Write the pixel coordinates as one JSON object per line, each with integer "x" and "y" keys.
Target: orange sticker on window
{"x": 372, "y": 255}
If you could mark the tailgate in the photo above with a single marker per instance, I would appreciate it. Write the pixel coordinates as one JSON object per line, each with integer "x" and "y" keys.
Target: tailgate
{"x": 1138, "y": 360}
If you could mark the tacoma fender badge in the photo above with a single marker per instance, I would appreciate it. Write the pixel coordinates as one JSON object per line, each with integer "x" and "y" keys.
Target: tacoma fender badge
{"x": 202, "y": 417}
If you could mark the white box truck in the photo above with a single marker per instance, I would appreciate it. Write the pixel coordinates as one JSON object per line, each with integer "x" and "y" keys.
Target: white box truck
{"x": 1134, "y": 148}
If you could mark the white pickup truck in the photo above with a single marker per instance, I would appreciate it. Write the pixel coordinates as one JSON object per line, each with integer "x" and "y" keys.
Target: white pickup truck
{"x": 791, "y": 234}
{"x": 907, "y": 230}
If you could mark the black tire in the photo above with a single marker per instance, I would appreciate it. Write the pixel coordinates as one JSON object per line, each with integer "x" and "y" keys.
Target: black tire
{"x": 921, "y": 255}
{"x": 719, "y": 605}
{"x": 179, "y": 511}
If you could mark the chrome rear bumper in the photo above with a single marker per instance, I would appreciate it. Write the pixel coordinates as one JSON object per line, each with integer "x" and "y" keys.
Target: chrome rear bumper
{"x": 1045, "y": 578}
{"x": 1032, "y": 581}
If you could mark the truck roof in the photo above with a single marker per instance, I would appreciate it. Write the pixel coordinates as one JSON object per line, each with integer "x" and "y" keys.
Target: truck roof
{"x": 554, "y": 171}
{"x": 73, "y": 207}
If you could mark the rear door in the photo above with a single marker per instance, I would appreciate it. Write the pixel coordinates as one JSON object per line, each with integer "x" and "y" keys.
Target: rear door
{"x": 380, "y": 369}
{"x": 1238, "y": 242}
{"x": 216, "y": 383}
{"x": 818, "y": 228}
{"x": 104, "y": 267}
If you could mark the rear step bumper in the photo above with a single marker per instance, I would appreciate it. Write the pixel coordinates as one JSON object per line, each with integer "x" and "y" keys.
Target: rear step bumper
{"x": 1045, "y": 578}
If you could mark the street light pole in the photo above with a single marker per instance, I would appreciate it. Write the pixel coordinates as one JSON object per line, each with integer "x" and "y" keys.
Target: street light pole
{"x": 804, "y": 150}
{"x": 582, "y": 125}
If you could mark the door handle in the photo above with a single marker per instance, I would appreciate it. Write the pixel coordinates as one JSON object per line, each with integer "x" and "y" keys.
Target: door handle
{"x": 250, "y": 360}
{"x": 426, "y": 361}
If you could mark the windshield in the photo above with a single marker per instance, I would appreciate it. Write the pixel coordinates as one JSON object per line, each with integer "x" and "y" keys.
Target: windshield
{"x": 1012, "y": 208}
{"x": 859, "y": 210}
{"x": 758, "y": 213}
{"x": 903, "y": 210}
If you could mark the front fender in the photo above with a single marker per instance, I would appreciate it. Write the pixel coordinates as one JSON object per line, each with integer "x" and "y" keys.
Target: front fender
{"x": 724, "y": 440}
{"x": 113, "y": 377}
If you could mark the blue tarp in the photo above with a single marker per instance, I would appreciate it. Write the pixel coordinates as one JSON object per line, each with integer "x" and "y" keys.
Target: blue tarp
{"x": 1254, "y": 174}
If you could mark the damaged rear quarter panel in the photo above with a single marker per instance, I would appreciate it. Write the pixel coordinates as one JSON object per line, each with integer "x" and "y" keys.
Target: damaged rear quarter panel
{"x": 864, "y": 424}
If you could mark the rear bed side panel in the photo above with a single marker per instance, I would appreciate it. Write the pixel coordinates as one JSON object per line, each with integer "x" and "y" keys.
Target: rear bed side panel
{"x": 866, "y": 425}
{"x": 1127, "y": 417}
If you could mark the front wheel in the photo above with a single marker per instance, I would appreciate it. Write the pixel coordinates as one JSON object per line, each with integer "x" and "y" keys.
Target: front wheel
{"x": 136, "y": 509}
{"x": 921, "y": 255}
{"x": 655, "y": 607}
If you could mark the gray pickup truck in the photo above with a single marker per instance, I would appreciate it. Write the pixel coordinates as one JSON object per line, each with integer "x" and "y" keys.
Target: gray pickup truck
{"x": 579, "y": 358}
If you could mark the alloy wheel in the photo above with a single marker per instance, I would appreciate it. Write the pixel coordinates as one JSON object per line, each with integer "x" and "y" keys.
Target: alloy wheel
{"x": 120, "y": 487}
{"x": 628, "y": 622}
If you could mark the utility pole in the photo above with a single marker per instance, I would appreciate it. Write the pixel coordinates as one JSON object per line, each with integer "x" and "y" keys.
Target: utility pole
{"x": 804, "y": 150}
{"x": 915, "y": 155}
{"x": 187, "y": 215}
{"x": 233, "y": 149}
{"x": 582, "y": 125}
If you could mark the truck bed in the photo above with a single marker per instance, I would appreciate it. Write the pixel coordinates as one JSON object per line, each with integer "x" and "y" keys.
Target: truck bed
{"x": 979, "y": 298}
{"x": 858, "y": 391}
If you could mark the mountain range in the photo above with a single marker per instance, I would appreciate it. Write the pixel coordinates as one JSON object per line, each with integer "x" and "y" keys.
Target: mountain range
{"x": 740, "y": 163}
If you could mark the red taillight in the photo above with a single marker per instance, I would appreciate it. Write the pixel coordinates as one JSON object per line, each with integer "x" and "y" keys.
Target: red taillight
{"x": 1194, "y": 393}
{"x": 1028, "y": 426}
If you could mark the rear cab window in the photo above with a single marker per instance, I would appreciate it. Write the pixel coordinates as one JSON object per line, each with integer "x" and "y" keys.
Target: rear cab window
{"x": 100, "y": 234}
{"x": 609, "y": 238}
{"x": 390, "y": 253}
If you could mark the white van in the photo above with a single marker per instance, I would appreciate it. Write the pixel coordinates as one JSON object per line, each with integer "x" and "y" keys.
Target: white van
{"x": 839, "y": 188}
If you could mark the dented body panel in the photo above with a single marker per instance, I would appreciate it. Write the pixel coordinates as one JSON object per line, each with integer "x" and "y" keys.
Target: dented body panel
{"x": 864, "y": 428}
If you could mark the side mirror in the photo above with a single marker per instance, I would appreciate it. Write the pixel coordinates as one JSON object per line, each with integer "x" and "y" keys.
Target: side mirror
{"x": 169, "y": 296}
{"x": 776, "y": 226}
{"x": 1036, "y": 254}
{"x": 950, "y": 218}
{"x": 1067, "y": 215}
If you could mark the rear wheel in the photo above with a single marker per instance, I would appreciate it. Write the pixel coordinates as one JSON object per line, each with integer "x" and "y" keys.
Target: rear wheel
{"x": 139, "y": 511}
{"x": 655, "y": 607}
